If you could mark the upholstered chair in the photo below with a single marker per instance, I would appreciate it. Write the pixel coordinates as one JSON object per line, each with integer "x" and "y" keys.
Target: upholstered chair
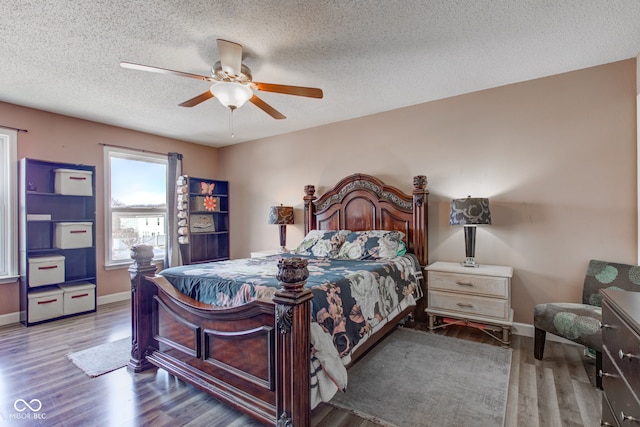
{"x": 581, "y": 323}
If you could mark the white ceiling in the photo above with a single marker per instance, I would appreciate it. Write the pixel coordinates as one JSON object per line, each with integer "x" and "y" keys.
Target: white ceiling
{"x": 368, "y": 56}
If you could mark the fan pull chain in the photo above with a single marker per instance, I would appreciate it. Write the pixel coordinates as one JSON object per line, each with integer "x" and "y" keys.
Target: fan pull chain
{"x": 231, "y": 121}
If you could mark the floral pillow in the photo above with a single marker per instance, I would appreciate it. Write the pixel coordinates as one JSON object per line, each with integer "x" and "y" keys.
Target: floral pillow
{"x": 373, "y": 244}
{"x": 322, "y": 243}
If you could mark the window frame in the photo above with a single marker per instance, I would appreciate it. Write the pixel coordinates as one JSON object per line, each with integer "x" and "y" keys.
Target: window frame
{"x": 123, "y": 153}
{"x": 9, "y": 206}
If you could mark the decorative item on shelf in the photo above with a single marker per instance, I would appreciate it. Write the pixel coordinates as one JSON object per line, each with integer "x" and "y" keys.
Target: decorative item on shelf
{"x": 469, "y": 213}
{"x": 211, "y": 203}
{"x": 202, "y": 224}
{"x": 207, "y": 188}
{"x": 205, "y": 203}
{"x": 281, "y": 215}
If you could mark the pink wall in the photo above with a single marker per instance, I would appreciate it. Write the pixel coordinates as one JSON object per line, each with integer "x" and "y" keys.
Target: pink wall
{"x": 59, "y": 138}
{"x": 556, "y": 156}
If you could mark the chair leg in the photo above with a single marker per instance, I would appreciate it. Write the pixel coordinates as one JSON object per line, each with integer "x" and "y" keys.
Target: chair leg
{"x": 538, "y": 343}
{"x": 598, "y": 369}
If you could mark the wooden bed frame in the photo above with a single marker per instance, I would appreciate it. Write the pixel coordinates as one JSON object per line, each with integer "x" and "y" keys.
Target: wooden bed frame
{"x": 256, "y": 357}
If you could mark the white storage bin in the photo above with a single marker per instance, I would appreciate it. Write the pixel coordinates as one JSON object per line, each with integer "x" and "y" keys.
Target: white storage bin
{"x": 73, "y": 182}
{"x": 45, "y": 304}
{"x": 70, "y": 235}
{"x": 78, "y": 297}
{"x": 46, "y": 270}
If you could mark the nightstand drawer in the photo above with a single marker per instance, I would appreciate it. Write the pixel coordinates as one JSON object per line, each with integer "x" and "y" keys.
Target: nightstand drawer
{"x": 469, "y": 304}
{"x": 469, "y": 284}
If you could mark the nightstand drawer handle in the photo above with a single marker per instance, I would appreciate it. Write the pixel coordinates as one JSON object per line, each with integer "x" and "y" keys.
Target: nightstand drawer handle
{"x": 464, "y": 283}
{"x": 622, "y": 355}
{"x": 604, "y": 325}
{"x": 465, "y": 305}
{"x": 605, "y": 423}
{"x": 624, "y": 417}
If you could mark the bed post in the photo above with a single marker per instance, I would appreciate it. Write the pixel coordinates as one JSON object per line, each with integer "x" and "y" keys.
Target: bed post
{"x": 420, "y": 219}
{"x": 141, "y": 300}
{"x": 293, "y": 344}
{"x": 309, "y": 209}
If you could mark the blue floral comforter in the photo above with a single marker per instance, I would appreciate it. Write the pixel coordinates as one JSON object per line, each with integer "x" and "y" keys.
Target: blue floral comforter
{"x": 351, "y": 298}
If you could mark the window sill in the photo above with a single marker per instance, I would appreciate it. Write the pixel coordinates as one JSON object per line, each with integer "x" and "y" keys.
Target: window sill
{"x": 8, "y": 279}
{"x": 158, "y": 262}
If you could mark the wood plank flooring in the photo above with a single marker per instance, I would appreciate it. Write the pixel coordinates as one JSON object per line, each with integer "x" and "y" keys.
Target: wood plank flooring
{"x": 558, "y": 391}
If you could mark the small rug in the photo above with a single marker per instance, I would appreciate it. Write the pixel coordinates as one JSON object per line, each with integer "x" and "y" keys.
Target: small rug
{"x": 103, "y": 358}
{"x": 416, "y": 378}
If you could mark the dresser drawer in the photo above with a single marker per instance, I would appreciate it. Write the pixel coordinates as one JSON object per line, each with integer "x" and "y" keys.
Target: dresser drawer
{"x": 469, "y": 304}
{"x": 622, "y": 400}
{"x": 469, "y": 284}
{"x": 619, "y": 341}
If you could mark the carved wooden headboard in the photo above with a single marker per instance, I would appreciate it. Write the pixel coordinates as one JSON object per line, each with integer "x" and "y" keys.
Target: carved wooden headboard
{"x": 362, "y": 202}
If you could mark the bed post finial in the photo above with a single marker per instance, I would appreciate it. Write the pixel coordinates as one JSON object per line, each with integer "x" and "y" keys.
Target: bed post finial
{"x": 309, "y": 208}
{"x": 141, "y": 299}
{"x": 293, "y": 316}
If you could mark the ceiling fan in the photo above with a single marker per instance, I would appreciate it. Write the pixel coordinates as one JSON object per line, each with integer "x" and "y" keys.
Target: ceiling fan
{"x": 232, "y": 82}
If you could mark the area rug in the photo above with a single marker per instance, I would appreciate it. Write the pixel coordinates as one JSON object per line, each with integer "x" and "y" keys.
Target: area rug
{"x": 103, "y": 358}
{"x": 416, "y": 378}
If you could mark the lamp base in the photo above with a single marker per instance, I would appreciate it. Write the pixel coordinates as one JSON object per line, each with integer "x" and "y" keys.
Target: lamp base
{"x": 469, "y": 262}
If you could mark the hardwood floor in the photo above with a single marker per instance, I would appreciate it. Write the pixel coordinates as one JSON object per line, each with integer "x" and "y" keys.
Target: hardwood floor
{"x": 558, "y": 391}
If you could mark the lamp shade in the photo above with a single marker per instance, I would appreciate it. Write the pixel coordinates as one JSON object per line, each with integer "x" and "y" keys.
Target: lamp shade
{"x": 470, "y": 211}
{"x": 281, "y": 215}
{"x": 231, "y": 94}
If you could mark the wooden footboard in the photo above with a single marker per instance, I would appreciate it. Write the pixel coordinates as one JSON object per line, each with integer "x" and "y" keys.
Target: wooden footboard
{"x": 254, "y": 357}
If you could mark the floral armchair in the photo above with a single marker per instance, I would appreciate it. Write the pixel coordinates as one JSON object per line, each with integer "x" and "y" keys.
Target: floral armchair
{"x": 581, "y": 322}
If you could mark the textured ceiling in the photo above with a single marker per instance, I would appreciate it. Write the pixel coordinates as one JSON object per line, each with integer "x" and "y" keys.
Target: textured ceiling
{"x": 368, "y": 56}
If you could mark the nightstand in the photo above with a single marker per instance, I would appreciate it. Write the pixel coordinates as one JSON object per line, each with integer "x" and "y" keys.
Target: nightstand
{"x": 260, "y": 254}
{"x": 479, "y": 297}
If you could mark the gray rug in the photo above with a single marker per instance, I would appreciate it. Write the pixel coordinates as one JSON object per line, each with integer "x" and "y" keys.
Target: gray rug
{"x": 415, "y": 378}
{"x": 103, "y": 358}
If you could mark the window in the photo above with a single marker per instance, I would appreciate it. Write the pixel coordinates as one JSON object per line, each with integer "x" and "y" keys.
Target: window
{"x": 8, "y": 206}
{"x": 136, "y": 203}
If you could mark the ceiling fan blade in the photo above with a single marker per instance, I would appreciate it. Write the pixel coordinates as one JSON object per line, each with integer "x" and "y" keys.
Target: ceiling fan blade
{"x": 311, "y": 92}
{"x": 266, "y": 108}
{"x": 163, "y": 71}
{"x": 197, "y": 99}
{"x": 230, "y": 57}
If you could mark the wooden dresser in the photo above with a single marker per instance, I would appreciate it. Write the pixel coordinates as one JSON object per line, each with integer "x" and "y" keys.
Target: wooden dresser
{"x": 621, "y": 358}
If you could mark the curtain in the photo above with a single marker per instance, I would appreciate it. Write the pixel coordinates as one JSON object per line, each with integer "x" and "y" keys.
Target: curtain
{"x": 172, "y": 253}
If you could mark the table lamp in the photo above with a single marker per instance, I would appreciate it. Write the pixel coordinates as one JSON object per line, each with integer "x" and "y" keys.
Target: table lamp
{"x": 281, "y": 215}
{"x": 469, "y": 213}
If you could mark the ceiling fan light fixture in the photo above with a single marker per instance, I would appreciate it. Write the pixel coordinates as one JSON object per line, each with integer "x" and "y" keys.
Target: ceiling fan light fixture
{"x": 231, "y": 94}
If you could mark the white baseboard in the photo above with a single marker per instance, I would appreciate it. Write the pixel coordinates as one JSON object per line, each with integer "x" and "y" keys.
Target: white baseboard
{"x": 108, "y": 299}
{"x": 9, "y": 318}
{"x": 527, "y": 330}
